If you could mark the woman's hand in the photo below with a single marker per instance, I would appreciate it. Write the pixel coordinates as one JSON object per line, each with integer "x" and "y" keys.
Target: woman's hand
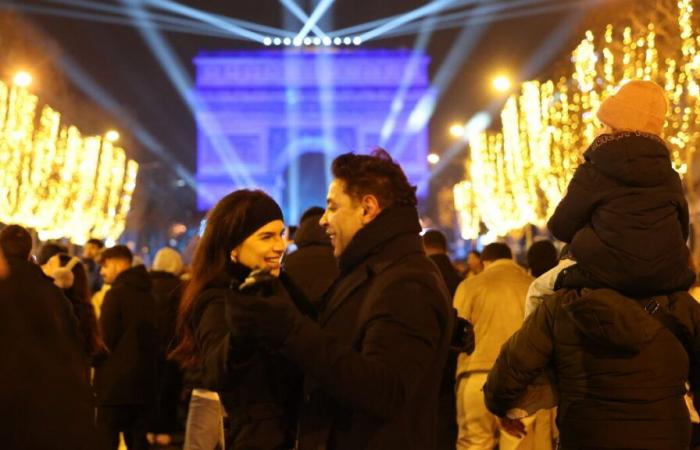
{"x": 269, "y": 318}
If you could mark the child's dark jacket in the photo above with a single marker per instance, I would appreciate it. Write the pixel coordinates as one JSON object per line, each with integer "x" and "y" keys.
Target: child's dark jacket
{"x": 626, "y": 217}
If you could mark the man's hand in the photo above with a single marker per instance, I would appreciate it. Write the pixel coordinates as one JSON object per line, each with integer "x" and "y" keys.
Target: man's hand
{"x": 270, "y": 318}
{"x": 514, "y": 427}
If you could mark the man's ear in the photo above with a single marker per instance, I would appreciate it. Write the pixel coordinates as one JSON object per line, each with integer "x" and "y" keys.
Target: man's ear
{"x": 370, "y": 208}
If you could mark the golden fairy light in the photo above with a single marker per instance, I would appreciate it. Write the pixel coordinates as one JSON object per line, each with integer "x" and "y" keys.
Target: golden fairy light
{"x": 55, "y": 180}
{"x": 519, "y": 175}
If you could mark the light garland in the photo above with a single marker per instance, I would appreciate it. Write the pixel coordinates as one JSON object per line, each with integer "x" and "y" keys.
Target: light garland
{"x": 518, "y": 176}
{"x": 56, "y": 181}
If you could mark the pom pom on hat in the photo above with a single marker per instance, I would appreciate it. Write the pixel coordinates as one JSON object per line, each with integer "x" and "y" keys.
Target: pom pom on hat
{"x": 639, "y": 105}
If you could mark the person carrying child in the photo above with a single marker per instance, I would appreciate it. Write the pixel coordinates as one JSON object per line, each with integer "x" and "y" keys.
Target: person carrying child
{"x": 612, "y": 338}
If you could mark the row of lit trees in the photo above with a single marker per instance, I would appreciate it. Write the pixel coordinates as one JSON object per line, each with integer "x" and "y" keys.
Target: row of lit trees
{"x": 517, "y": 176}
{"x": 55, "y": 180}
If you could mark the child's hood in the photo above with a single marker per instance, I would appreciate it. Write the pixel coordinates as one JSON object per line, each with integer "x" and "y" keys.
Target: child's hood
{"x": 635, "y": 159}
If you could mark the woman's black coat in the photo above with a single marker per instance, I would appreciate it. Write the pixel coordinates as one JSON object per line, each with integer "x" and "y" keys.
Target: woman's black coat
{"x": 259, "y": 388}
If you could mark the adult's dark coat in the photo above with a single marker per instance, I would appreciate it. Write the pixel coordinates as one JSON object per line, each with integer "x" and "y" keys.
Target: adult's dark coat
{"x": 46, "y": 402}
{"x": 128, "y": 320}
{"x": 448, "y": 272}
{"x": 626, "y": 216}
{"x": 312, "y": 266}
{"x": 259, "y": 389}
{"x": 447, "y": 404}
{"x": 167, "y": 290}
{"x": 620, "y": 373}
{"x": 373, "y": 367}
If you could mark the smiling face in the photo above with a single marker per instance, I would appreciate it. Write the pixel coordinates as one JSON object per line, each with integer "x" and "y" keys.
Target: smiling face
{"x": 263, "y": 249}
{"x": 343, "y": 218}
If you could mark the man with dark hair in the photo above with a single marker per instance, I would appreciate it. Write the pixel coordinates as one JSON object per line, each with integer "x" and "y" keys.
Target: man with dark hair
{"x": 46, "y": 401}
{"x": 91, "y": 254}
{"x": 48, "y": 250}
{"x": 312, "y": 266}
{"x": 125, "y": 380}
{"x": 373, "y": 363}
{"x": 494, "y": 302}
{"x": 541, "y": 256}
{"x": 435, "y": 245}
{"x": 16, "y": 242}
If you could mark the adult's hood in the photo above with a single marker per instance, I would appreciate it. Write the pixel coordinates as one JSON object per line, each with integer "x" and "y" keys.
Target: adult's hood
{"x": 311, "y": 233}
{"x": 611, "y": 319}
{"x": 134, "y": 278}
{"x": 634, "y": 158}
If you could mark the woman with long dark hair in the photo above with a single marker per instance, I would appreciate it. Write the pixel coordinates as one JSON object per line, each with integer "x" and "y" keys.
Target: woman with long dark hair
{"x": 242, "y": 240}
{"x": 70, "y": 275}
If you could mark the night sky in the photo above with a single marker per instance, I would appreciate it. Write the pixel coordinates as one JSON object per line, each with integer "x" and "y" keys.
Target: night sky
{"x": 116, "y": 58}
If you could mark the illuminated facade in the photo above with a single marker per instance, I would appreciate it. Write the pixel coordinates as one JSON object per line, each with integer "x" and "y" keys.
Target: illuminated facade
{"x": 275, "y": 119}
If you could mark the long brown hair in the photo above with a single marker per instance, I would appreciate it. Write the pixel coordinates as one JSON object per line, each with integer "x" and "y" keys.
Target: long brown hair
{"x": 80, "y": 297}
{"x": 211, "y": 262}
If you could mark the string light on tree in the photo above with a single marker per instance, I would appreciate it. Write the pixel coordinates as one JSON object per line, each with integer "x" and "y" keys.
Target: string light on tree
{"x": 519, "y": 175}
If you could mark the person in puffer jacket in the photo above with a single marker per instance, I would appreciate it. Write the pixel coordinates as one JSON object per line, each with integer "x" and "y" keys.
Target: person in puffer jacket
{"x": 624, "y": 214}
{"x": 620, "y": 372}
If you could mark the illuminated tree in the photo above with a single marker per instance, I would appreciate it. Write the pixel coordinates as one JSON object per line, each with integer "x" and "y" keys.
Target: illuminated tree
{"x": 519, "y": 175}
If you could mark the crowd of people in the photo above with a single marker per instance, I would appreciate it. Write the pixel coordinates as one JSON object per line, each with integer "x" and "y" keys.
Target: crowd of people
{"x": 367, "y": 336}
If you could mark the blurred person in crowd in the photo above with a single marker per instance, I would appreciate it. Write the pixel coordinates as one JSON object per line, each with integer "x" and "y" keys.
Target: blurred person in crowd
{"x": 373, "y": 363}
{"x": 125, "y": 381}
{"x": 474, "y": 264}
{"x": 167, "y": 290}
{"x": 238, "y": 261}
{"x": 494, "y": 302}
{"x": 91, "y": 254}
{"x": 48, "y": 250}
{"x": 541, "y": 257}
{"x": 46, "y": 401}
{"x": 70, "y": 275}
{"x": 4, "y": 270}
{"x": 312, "y": 266}
{"x": 435, "y": 244}
{"x": 291, "y": 238}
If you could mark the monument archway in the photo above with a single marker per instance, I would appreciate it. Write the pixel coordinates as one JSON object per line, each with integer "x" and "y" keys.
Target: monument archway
{"x": 261, "y": 113}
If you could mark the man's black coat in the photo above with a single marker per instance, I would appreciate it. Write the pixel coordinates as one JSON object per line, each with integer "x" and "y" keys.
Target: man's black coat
{"x": 373, "y": 367}
{"x": 127, "y": 376}
{"x": 46, "y": 402}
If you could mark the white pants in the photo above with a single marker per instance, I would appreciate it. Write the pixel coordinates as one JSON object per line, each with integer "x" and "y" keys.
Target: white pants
{"x": 478, "y": 429}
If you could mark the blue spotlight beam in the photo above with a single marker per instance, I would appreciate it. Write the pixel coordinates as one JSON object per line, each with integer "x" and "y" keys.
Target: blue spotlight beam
{"x": 220, "y": 21}
{"x": 92, "y": 89}
{"x": 192, "y": 28}
{"x": 411, "y": 69}
{"x": 292, "y": 6}
{"x": 552, "y": 45}
{"x": 366, "y": 26}
{"x": 461, "y": 49}
{"x": 316, "y": 15}
{"x": 207, "y": 18}
{"x": 456, "y": 20}
{"x": 430, "y": 8}
{"x": 178, "y": 76}
{"x": 121, "y": 11}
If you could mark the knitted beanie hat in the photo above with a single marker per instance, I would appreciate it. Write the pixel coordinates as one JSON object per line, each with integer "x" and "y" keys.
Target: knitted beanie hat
{"x": 168, "y": 260}
{"x": 639, "y": 105}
